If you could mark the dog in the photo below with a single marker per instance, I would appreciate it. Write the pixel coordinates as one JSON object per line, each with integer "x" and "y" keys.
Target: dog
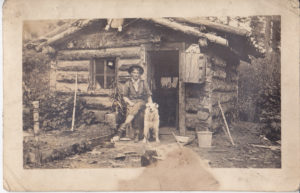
{"x": 151, "y": 121}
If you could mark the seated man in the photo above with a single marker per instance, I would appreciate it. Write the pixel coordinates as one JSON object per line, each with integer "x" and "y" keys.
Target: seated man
{"x": 136, "y": 93}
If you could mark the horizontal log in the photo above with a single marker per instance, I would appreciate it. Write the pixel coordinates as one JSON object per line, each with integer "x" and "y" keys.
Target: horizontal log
{"x": 126, "y": 52}
{"x": 195, "y": 104}
{"x": 216, "y": 26}
{"x": 70, "y": 76}
{"x": 189, "y": 30}
{"x": 124, "y": 64}
{"x": 222, "y": 86}
{"x": 67, "y": 65}
{"x": 99, "y": 103}
{"x": 70, "y": 87}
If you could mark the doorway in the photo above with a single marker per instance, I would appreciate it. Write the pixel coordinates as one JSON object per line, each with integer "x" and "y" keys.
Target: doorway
{"x": 163, "y": 76}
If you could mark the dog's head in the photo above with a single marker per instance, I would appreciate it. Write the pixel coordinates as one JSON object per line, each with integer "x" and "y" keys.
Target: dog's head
{"x": 152, "y": 106}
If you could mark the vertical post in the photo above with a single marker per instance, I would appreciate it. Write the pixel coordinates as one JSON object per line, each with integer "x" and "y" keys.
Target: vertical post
{"x": 105, "y": 74}
{"x": 74, "y": 107}
{"x": 36, "y": 124}
{"x": 181, "y": 98}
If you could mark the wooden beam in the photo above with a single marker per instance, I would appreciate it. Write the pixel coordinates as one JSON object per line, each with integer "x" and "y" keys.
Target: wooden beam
{"x": 189, "y": 30}
{"x": 181, "y": 98}
{"x": 127, "y": 52}
{"x": 216, "y": 26}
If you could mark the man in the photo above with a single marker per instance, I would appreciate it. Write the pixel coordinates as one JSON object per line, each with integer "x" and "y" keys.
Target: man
{"x": 136, "y": 93}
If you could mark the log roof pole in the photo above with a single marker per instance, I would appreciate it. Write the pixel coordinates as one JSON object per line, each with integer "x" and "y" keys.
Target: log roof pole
{"x": 74, "y": 27}
{"x": 216, "y": 26}
{"x": 189, "y": 30}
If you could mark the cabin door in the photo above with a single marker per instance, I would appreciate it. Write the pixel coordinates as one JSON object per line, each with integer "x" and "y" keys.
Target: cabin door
{"x": 163, "y": 76}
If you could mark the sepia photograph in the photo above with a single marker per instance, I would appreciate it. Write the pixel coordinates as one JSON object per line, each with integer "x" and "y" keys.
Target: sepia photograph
{"x": 151, "y": 95}
{"x": 152, "y": 92}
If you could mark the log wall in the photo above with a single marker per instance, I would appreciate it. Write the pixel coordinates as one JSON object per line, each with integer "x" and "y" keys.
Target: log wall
{"x": 202, "y": 110}
{"x": 198, "y": 102}
{"x": 224, "y": 89}
{"x": 71, "y": 62}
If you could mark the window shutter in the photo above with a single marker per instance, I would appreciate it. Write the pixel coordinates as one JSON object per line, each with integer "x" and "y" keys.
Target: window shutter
{"x": 193, "y": 67}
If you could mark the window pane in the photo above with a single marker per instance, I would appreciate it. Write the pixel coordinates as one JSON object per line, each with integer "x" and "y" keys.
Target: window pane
{"x": 100, "y": 80}
{"x": 110, "y": 81}
{"x": 99, "y": 66}
{"x": 110, "y": 67}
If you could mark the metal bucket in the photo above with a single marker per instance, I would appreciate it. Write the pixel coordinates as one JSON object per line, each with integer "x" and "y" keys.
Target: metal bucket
{"x": 204, "y": 138}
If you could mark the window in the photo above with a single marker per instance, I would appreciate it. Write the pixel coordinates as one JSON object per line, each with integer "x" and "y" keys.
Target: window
{"x": 102, "y": 73}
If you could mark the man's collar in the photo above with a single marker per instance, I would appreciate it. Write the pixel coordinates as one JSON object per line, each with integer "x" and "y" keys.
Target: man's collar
{"x": 135, "y": 81}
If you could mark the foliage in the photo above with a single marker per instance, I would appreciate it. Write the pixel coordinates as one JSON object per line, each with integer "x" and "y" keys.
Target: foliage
{"x": 56, "y": 110}
{"x": 118, "y": 105}
{"x": 259, "y": 82}
{"x": 36, "y": 67}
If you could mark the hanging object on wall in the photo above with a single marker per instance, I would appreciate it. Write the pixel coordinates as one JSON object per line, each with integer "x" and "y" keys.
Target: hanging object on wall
{"x": 114, "y": 23}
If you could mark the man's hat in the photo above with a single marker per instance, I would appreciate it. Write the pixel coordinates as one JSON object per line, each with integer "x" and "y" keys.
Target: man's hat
{"x": 131, "y": 68}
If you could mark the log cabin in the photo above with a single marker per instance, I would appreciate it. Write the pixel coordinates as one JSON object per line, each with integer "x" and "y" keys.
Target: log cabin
{"x": 190, "y": 64}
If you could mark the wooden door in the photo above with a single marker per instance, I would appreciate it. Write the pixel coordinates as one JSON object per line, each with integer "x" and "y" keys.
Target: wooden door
{"x": 193, "y": 67}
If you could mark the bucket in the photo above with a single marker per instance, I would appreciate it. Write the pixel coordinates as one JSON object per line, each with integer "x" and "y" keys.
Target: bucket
{"x": 204, "y": 138}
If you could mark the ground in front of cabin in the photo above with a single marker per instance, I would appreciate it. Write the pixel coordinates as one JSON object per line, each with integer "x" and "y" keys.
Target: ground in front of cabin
{"x": 252, "y": 150}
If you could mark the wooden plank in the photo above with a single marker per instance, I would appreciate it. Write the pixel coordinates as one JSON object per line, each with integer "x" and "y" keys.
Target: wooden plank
{"x": 75, "y": 65}
{"x": 194, "y": 67}
{"x": 69, "y": 76}
{"x": 227, "y": 128}
{"x": 69, "y": 87}
{"x": 126, "y": 52}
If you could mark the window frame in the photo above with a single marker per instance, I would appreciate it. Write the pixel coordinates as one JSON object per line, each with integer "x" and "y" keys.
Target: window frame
{"x": 94, "y": 74}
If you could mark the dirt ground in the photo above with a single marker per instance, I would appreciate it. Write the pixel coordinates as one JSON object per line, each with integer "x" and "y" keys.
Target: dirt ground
{"x": 252, "y": 150}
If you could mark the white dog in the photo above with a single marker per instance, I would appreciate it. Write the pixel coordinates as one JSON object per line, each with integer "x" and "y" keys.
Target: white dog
{"x": 151, "y": 120}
